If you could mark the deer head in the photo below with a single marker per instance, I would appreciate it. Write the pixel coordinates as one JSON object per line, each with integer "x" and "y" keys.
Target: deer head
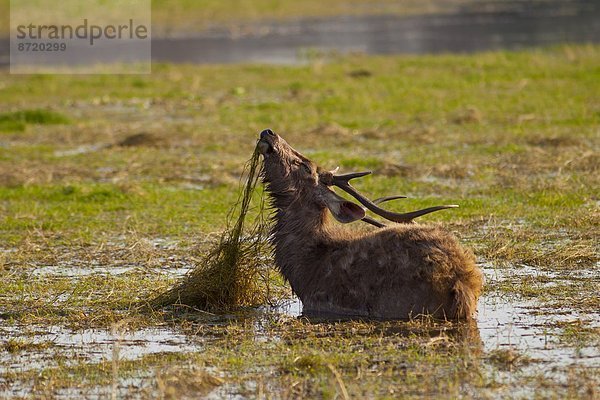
{"x": 292, "y": 178}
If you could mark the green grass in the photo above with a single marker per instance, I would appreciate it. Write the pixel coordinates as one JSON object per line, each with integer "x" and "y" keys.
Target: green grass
{"x": 527, "y": 153}
{"x": 512, "y": 137}
{"x": 18, "y": 120}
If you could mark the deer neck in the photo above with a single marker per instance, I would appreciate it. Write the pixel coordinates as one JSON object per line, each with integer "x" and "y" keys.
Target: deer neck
{"x": 295, "y": 228}
{"x": 297, "y": 236}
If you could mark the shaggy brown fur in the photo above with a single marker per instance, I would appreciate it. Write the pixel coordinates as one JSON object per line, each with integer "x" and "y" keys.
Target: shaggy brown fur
{"x": 398, "y": 271}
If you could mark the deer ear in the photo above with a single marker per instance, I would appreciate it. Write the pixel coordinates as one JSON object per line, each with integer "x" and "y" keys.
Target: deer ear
{"x": 343, "y": 210}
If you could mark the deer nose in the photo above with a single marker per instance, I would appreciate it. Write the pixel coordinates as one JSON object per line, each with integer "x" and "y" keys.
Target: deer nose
{"x": 266, "y": 133}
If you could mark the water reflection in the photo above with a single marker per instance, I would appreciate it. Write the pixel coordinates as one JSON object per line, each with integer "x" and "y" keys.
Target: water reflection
{"x": 501, "y": 324}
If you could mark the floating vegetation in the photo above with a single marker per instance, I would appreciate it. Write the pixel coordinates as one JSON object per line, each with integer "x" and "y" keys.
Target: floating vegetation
{"x": 238, "y": 270}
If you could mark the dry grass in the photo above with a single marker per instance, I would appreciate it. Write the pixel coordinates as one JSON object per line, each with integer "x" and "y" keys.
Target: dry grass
{"x": 178, "y": 383}
{"x": 17, "y": 345}
{"x": 508, "y": 359}
{"x": 236, "y": 271}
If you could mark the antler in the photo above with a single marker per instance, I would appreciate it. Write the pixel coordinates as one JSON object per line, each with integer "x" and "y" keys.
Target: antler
{"x": 380, "y": 200}
{"x": 343, "y": 182}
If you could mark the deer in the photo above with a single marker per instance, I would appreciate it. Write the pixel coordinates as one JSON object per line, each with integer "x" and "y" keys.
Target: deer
{"x": 396, "y": 271}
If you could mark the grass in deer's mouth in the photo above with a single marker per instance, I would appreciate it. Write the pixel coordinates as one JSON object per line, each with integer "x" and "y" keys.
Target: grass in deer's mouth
{"x": 235, "y": 272}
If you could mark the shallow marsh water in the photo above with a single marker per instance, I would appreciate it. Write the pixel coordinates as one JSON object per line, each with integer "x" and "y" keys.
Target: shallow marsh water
{"x": 531, "y": 336}
{"x": 90, "y": 345}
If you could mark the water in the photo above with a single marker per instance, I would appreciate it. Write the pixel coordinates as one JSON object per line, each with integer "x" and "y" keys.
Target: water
{"x": 89, "y": 345}
{"x": 463, "y": 32}
{"x": 66, "y": 270}
{"x": 531, "y": 330}
{"x": 478, "y": 26}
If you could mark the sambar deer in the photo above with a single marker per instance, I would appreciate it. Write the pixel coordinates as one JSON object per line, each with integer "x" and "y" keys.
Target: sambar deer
{"x": 395, "y": 272}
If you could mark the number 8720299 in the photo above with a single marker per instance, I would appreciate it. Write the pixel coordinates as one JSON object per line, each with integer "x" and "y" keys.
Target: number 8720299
{"x": 41, "y": 46}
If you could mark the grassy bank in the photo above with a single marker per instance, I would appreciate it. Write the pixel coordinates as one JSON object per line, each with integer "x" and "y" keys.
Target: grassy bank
{"x": 138, "y": 172}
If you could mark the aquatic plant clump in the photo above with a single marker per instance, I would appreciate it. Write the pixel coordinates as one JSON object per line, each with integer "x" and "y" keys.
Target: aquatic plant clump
{"x": 237, "y": 270}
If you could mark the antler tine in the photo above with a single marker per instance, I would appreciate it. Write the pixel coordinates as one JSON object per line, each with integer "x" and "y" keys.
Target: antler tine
{"x": 373, "y": 221}
{"x": 380, "y": 200}
{"x": 342, "y": 181}
{"x": 347, "y": 177}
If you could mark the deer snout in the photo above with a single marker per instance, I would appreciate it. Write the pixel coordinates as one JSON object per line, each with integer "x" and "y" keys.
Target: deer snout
{"x": 265, "y": 144}
{"x": 266, "y": 133}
